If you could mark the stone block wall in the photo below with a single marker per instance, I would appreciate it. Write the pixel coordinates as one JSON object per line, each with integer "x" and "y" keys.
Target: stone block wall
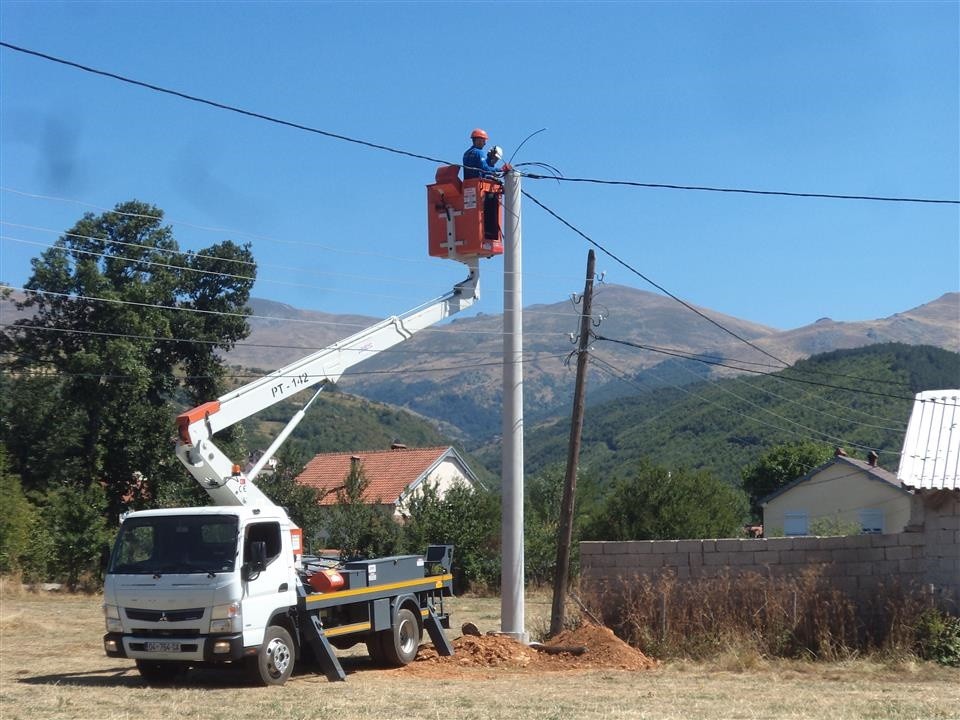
{"x": 859, "y": 565}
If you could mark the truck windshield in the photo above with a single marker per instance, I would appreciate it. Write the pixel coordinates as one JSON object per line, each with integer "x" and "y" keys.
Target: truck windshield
{"x": 182, "y": 544}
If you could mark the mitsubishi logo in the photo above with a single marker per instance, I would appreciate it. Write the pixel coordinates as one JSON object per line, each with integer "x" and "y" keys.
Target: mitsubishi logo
{"x": 163, "y": 617}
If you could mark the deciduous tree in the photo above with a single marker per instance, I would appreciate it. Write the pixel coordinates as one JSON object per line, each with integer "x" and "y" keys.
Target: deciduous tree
{"x": 780, "y": 465}
{"x": 123, "y": 328}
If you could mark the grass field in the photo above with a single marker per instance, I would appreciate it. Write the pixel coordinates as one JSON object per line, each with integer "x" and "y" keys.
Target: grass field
{"x": 52, "y": 666}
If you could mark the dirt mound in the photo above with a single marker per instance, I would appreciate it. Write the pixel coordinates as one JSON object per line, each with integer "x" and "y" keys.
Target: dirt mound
{"x": 589, "y": 646}
{"x": 603, "y": 648}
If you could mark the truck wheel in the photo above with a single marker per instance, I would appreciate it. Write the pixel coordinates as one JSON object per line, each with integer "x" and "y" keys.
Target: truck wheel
{"x": 158, "y": 672}
{"x": 275, "y": 658}
{"x": 399, "y": 644}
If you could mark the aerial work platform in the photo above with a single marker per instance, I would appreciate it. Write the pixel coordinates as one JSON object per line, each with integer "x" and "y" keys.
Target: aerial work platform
{"x": 464, "y": 217}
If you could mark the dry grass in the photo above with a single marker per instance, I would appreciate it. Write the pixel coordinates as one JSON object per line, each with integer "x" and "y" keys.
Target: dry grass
{"x": 802, "y": 617}
{"x": 52, "y": 666}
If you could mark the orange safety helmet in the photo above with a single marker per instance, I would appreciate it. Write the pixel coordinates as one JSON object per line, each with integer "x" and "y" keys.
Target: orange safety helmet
{"x": 478, "y": 133}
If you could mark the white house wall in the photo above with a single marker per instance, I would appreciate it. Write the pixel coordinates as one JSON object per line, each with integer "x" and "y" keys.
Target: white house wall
{"x": 443, "y": 477}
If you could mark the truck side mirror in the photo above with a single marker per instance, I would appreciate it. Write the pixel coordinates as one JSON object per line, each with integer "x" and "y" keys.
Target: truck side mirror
{"x": 256, "y": 560}
{"x": 104, "y": 557}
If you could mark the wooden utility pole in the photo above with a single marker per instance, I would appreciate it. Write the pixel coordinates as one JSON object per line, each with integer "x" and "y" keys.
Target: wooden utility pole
{"x": 565, "y": 533}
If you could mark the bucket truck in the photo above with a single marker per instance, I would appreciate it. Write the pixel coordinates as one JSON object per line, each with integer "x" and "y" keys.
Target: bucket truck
{"x": 228, "y": 584}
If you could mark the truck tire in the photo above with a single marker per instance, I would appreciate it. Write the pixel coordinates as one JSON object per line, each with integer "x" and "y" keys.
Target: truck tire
{"x": 160, "y": 672}
{"x": 399, "y": 644}
{"x": 275, "y": 658}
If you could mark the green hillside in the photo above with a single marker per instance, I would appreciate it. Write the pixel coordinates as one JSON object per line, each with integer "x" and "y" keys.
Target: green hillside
{"x": 859, "y": 399}
{"x": 338, "y": 422}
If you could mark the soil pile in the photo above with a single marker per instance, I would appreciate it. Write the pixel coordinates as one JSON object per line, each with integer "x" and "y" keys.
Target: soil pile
{"x": 589, "y": 646}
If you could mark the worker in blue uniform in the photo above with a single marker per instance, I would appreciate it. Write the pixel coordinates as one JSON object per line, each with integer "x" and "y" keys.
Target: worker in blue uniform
{"x": 477, "y": 163}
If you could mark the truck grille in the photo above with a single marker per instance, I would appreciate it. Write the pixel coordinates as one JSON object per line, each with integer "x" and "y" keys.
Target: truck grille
{"x": 164, "y": 615}
{"x": 176, "y": 632}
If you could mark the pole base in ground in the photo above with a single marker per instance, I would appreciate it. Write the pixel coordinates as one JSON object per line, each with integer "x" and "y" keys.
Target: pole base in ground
{"x": 520, "y": 637}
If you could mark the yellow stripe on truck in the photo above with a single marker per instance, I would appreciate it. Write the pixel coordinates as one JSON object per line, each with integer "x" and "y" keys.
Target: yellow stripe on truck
{"x": 439, "y": 580}
{"x": 346, "y": 629}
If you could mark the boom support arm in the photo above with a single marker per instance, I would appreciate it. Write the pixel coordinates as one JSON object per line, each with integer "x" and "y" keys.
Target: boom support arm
{"x": 196, "y": 428}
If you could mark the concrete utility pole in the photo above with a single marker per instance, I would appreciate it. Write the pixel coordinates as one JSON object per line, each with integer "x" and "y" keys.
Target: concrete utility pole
{"x": 568, "y": 503}
{"x": 512, "y": 577}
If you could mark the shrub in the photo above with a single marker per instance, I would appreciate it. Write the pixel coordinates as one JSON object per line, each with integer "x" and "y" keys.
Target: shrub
{"x": 938, "y": 637}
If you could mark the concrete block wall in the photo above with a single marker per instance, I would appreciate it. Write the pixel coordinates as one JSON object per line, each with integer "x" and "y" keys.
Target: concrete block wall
{"x": 940, "y": 533}
{"x": 859, "y": 565}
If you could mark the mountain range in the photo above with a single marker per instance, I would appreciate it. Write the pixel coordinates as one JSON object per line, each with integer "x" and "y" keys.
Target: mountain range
{"x": 452, "y": 373}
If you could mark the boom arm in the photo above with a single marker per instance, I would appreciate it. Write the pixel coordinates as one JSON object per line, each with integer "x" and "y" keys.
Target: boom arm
{"x": 196, "y": 428}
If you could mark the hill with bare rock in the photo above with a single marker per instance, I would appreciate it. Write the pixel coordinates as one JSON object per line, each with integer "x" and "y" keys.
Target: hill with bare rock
{"x": 453, "y": 374}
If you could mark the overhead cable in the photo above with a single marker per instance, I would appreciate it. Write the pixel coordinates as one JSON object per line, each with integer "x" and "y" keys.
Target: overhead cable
{"x": 420, "y": 156}
{"x": 222, "y": 106}
{"x": 705, "y": 361}
{"x": 659, "y": 287}
{"x": 707, "y": 188}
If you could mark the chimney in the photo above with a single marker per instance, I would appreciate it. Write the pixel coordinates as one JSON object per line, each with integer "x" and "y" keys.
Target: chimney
{"x": 354, "y": 460}
{"x": 839, "y": 452}
{"x": 872, "y": 458}
{"x": 398, "y": 446}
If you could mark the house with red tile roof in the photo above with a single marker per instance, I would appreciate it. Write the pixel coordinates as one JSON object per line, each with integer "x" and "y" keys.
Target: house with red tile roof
{"x": 394, "y": 475}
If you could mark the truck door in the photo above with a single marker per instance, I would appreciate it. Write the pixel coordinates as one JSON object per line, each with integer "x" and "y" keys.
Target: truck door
{"x": 269, "y": 589}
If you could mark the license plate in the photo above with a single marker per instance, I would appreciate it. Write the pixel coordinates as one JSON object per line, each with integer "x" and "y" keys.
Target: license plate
{"x": 169, "y": 647}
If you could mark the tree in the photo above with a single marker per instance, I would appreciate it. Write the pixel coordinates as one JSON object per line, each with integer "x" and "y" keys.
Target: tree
{"x": 779, "y": 466}
{"x": 357, "y": 527}
{"x": 15, "y": 521}
{"x": 654, "y": 503}
{"x": 465, "y": 517}
{"x": 301, "y": 502}
{"x": 76, "y": 519}
{"x": 124, "y": 326}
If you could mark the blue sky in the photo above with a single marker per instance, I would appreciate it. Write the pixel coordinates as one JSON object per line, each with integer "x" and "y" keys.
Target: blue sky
{"x": 843, "y": 98}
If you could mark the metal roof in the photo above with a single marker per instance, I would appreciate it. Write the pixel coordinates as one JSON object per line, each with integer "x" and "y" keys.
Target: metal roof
{"x": 931, "y": 449}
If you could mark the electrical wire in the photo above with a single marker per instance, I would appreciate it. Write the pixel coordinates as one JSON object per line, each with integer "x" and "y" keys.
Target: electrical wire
{"x": 659, "y": 287}
{"x": 819, "y": 436}
{"x": 268, "y": 346}
{"x": 712, "y": 358}
{"x": 242, "y": 316}
{"x": 771, "y": 393}
{"x": 707, "y": 188}
{"x": 223, "y": 106}
{"x": 387, "y": 148}
{"x": 352, "y": 373}
{"x": 639, "y": 346}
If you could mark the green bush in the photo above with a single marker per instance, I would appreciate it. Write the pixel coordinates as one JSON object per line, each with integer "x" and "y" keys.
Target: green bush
{"x": 938, "y": 637}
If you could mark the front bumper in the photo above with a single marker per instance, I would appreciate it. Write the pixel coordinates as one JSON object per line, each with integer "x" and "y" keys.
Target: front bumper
{"x": 204, "y": 648}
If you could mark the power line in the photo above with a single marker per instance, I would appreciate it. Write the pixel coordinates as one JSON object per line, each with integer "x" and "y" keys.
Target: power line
{"x": 756, "y": 372}
{"x": 659, "y": 287}
{"x": 420, "y": 156}
{"x": 710, "y": 358}
{"x": 792, "y": 401}
{"x": 180, "y": 308}
{"x": 707, "y": 188}
{"x": 819, "y": 436}
{"x": 536, "y": 354}
{"x": 246, "y": 376}
{"x": 222, "y": 106}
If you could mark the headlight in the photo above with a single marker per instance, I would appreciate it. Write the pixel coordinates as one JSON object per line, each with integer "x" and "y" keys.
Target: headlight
{"x": 225, "y": 618}
{"x": 111, "y": 614}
